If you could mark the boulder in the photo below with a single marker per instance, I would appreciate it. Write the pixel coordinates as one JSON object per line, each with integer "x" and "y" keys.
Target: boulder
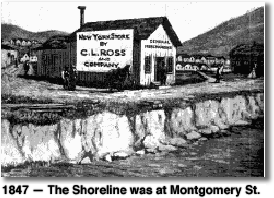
{"x": 214, "y": 129}
{"x": 151, "y": 151}
{"x": 86, "y": 160}
{"x": 241, "y": 122}
{"x": 193, "y": 135}
{"x": 141, "y": 152}
{"x": 165, "y": 142}
{"x": 178, "y": 142}
{"x": 108, "y": 158}
{"x": 120, "y": 154}
{"x": 163, "y": 147}
{"x": 203, "y": 139}
{"x": 151, "y": 142}
{"x": 205, "y": 131}
{"x": 223, "y": 126}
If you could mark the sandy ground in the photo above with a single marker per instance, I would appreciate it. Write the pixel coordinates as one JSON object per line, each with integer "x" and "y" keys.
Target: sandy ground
{"x": 39, "y": 90}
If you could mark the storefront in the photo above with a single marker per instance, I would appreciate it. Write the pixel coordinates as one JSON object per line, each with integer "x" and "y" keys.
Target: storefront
{"x": 157, "y": 58}
{"x": 147, "y": 45}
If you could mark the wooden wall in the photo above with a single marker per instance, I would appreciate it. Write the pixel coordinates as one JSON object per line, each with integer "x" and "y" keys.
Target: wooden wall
{"x": 157, "y": 35}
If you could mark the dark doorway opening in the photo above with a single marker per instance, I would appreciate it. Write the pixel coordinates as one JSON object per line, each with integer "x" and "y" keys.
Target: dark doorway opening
{"x": 159, "y": 69}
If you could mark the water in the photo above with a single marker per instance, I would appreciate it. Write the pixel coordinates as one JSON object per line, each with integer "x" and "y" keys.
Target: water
{"x": 237, "y": 151}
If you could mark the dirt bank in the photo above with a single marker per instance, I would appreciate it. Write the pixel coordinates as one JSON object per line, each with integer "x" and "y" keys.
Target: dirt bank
{"x": 19, "y": 90}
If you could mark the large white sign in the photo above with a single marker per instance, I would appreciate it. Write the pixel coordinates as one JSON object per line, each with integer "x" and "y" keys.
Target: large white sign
{"x": 102, "y": 51}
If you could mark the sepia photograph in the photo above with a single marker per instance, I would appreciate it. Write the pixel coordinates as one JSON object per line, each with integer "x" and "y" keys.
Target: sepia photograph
{"x": 132, "y": 89}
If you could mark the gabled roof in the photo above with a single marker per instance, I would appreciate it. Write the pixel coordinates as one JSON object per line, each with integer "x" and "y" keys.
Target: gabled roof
{"x": 54, "y": 42}
{"x": 183, "y": 55}
{"x": 6, "y": 46}
{"x": 143, "y": 28}
{"x": 220, "y": 57}
{"x": 197, "y": 56}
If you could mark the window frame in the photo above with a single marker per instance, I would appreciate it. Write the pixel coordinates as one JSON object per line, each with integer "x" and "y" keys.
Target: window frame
{"x": 148, "y": 64}
{"x": 170, "y": 67}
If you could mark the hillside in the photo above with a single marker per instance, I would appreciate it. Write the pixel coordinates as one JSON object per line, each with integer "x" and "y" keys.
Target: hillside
{"x": 220, "y": 40}
{"x": 9, "y": 31}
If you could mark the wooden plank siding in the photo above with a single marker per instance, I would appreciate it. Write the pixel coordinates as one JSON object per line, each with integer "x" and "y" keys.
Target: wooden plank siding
{"x": 52, "y": 62}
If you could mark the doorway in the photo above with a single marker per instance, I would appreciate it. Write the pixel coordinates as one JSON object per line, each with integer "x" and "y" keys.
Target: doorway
{"x": 159, "y": 68}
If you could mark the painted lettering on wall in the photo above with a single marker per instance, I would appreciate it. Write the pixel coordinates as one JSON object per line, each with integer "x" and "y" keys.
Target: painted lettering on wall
{"x": 104, "y": 50}
{"x": 159, "y": 44}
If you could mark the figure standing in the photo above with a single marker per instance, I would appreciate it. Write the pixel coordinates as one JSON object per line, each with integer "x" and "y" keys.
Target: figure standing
{"x": 163, "y": 74}
{"x": 218, "y": 74}
{"x": 26, "y": 68}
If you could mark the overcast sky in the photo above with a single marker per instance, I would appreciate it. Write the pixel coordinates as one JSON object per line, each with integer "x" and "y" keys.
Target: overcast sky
{"x": 188, "y": 19}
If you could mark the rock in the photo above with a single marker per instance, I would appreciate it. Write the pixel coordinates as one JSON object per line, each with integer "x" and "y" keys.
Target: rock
{"x": 205, "y": 131}
{"x": 241, "y": 122}
{"x": 155, "y": 165}
{"x": 223, "y": 126}
{"x": 214, "y": 129}
{"x": 210, "y": 129}
{"x": 141, "y": 152}
{"x": 139, "y": 144}
{"x": 203, "y": 139}
{"x": 165, "y": 142}
{"x": 86, "y": 160}
{"x": 166, "y": 170}
{"x": 163, "y": 147}
{"x": 120, "y": 155}
{"x": 178, "y": 142}
{"x": 181, "y": 165}
{"x": 151, "y": 151}
{"x": 224, "y": 131}
{"x": 193, "y": 135}
{"x": 151, "y": 142}
{"x": 108, "y": 158}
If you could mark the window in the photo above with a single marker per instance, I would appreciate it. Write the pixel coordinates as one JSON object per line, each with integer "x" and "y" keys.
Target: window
{"x": 44, "y": 60}
{"x": 169, "y": 65}
{"x": 148, "y": 64}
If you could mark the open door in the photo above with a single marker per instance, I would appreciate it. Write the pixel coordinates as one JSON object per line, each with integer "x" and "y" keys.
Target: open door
{"x": 158, "y": 68}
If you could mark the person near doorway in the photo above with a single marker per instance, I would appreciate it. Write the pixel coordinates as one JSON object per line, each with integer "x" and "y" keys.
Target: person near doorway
{"x": 70, "y": 77}
{"x": 163, "y": 74}
{"x": 219, "y": 73}
{"x": 253, "y": 72}
{"x": 26, "y": 68}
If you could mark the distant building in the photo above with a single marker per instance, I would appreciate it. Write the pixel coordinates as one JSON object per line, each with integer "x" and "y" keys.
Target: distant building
{"x": 211, "y": 60}
{"x": 33, "y": 58}
{"x": 9, "y": 55}
{"x": 22, "y": 42}
{"x": 25, "y": 58}
{"x": 245, "y": 57}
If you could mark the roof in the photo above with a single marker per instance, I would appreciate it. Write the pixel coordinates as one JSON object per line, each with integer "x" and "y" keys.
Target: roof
{"x": 143, "y": 27}
{"x": 183, "y": 55}
{"x": 254, "y": 49}
{"x": 197, "y": 56}
{"x": 54, "y": 42}
{"x": 6, "y": 46}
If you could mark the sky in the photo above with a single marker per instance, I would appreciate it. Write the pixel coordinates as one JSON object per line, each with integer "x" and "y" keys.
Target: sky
{"x": 188, "y": 19}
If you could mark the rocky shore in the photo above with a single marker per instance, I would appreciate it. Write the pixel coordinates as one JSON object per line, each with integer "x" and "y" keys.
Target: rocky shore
{"x": 110, "y": 136}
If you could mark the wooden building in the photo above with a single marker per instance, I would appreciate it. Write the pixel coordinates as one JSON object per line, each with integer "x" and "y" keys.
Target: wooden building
{"x": 245, "y": 57}
{"x": 9, "y": 55}
{"x": 52, "y": 58}
{"x": 148, "y": 45}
